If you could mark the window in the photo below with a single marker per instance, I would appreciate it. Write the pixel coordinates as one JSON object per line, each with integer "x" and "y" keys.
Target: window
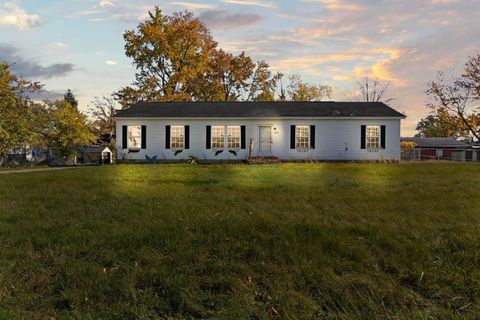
{"x": 468, "y": 155}
{"x": 302, "y": 135}
{"x": 218, "y": 137}
{"x": 177, "y": 137}
{"x": 134, "y": 137}
{"x": 373, "y": 137}
{"x": 233, "y": 137}
{"x": 439, "y": 153}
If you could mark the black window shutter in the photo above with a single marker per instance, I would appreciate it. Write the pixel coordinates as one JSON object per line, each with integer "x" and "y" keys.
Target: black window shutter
{"x": 312, "y": 137}
{"x": 167, "y": 137}
{"x": 144, "y": 137}
{"x": 363, "y": 137}
{"x": 243, "y": 137}
{"x": 187, "y": 137}
{"x": 124, "y": 137}
{"x": 292, "y": 137}
{"x": 209, "y": 137}
{"x": 382, "y": 136}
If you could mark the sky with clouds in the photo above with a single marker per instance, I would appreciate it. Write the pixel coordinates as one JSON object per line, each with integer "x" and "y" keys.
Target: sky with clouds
{"x": 78, "y": 44}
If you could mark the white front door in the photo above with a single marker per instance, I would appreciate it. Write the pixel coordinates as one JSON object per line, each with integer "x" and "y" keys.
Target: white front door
{"x": 265, "y": 139}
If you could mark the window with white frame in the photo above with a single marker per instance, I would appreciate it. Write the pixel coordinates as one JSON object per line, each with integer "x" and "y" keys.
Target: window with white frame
{"x": 302, "y": 134}
{"x": 218, "y": 137}
{"x": 177, "y": 137}
{"x": 134, "y": 137}
{"x": 373, "y": 137}
{"x": 233, "y": 137}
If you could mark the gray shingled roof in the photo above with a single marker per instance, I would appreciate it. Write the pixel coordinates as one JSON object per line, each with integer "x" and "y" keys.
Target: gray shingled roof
{"x": 258, "y": 110}
{"x": 436, "y": 142}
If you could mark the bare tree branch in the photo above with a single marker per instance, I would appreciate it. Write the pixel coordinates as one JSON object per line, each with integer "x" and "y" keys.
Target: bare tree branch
{"x": 372, "y": 91}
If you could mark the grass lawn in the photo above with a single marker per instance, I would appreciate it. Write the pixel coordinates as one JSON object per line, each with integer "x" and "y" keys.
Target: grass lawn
{"x": 290, "y": 241}
{"x": 26, "y": 167}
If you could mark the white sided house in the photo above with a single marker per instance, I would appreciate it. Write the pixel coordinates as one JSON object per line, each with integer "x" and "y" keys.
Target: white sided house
{"x": 289, "y": 131}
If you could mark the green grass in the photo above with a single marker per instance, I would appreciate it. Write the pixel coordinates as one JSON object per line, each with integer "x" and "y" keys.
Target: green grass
{"x": 25, "y": 167}
{"x": 290, "y": 241}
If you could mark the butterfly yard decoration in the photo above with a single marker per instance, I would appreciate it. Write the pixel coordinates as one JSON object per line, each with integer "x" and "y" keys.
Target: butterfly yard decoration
{"x": 151, "y": 160}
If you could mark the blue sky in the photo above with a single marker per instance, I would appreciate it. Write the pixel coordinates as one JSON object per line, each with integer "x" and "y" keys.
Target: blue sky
{"x": 78, "y": 44}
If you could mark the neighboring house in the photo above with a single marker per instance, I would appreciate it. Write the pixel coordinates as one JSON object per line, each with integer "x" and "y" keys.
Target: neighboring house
{"x": 95, "y": 155}
{"x": 470, "y": 153}
{"x": 434, "y": 148}
{"x": 26, "y": 155}
{"x": 291, "y": 131}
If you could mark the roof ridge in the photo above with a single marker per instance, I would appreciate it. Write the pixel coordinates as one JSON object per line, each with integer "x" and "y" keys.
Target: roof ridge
{"x": 255, "y": 109}
{"x": 252, "y": 102}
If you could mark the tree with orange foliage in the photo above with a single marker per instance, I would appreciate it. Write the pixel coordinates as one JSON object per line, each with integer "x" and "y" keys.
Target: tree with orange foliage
{"x": 459, "y": 99}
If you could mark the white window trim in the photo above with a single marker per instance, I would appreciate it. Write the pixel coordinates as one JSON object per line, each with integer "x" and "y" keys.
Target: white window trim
{"x": 307, "y": 142}
{"x": 216, "y": 148}
{"x": 172, "y": 144}
{"x": 235, "y": 137}
{"x": 129, "y": 136}
{"x": 368, "y": 145}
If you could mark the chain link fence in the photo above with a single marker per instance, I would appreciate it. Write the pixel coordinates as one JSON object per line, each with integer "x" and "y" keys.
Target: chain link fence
{"x": 423, "y": 154}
